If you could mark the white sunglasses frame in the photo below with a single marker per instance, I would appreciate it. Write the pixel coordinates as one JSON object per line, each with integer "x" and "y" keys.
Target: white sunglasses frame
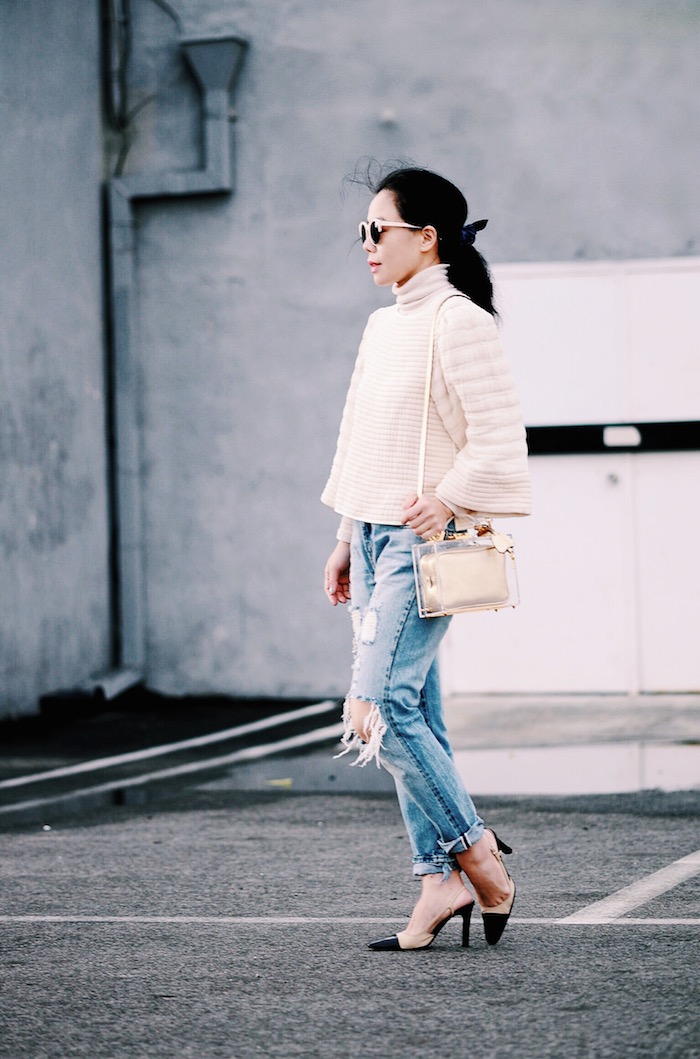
{"x": 365, "y": 228}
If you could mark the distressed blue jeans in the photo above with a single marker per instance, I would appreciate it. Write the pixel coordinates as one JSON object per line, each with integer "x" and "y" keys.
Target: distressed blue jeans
{"x": 395, "y": 672}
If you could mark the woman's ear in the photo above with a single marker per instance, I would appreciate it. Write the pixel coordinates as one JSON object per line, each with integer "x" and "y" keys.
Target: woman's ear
{"x": 429, "y": 239}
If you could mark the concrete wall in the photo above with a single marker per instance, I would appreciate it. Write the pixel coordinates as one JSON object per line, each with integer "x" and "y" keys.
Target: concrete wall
{"x": 54, "y": 585}
{"x": 572, "y": 127}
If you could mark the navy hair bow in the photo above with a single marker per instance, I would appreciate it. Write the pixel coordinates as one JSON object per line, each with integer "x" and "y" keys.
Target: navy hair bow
{"x": 468, "y": 234}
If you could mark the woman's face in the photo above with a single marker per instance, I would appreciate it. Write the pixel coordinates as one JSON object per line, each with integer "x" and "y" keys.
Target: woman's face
{"x": 400, "y": 252}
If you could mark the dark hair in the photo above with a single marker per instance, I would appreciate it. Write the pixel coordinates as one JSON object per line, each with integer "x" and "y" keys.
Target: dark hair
{"x": 422, "y": 198}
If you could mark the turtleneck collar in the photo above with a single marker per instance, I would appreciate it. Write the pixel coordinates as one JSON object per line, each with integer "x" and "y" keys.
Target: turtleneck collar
{"x": 416, "y": 292}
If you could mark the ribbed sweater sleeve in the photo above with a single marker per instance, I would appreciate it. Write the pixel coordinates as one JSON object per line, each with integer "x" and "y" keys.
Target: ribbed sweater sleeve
{"x": 475, "y": 397}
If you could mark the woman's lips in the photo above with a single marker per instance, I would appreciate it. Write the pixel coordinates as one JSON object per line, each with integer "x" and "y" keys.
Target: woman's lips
{"x": 373, "y": 265}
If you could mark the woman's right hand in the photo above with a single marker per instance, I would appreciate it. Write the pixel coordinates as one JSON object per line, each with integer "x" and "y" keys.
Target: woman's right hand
{"x": 337, "y": 574}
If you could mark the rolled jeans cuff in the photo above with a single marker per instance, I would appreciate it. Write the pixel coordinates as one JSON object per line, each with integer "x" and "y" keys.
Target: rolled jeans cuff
{"x": 437, "y": 864}
{"x": 464, "y": 841}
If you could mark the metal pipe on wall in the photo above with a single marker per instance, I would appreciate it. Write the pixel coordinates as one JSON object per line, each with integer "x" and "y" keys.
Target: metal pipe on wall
{"x": 215, "y": 64}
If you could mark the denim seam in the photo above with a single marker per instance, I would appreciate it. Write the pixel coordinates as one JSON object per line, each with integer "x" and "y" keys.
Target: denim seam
{"x": 406, "y": 743}
{"x": 428, "y": 780}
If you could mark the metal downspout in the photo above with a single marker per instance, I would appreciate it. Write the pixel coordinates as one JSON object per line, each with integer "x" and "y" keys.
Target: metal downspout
{"x": 215, "y": 64}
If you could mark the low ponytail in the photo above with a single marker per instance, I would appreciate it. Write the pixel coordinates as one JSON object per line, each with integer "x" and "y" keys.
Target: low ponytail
{"x": 467, "y": 271}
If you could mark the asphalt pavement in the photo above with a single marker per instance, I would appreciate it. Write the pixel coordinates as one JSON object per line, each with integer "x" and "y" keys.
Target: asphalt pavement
{"x": 225, "y": 912}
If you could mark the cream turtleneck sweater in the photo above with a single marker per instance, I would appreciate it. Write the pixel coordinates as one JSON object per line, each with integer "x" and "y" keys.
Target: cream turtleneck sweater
{"x": 476, "y": 449}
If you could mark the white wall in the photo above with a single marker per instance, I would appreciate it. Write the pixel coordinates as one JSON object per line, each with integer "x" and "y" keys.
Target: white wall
{"x": 608, "y": 577}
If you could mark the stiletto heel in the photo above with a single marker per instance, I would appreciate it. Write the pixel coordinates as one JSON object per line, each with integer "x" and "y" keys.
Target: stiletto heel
{"x": 403, "y": 942}
{"x": 496, "y": 917}
{"x": 466, "y": 914}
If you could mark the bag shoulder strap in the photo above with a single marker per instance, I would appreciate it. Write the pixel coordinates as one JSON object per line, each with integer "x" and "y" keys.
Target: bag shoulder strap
{"x": 426, "y": 399}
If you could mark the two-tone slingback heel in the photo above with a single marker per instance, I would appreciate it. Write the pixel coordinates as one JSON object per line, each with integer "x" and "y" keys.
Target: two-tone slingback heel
{"x": 405, "y": 942}
{"x": 496, "y": 917}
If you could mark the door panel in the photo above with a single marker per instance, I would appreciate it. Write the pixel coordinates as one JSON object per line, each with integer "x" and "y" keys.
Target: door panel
{"x": 574, "y": 630}
{"x": 667, "y": 505}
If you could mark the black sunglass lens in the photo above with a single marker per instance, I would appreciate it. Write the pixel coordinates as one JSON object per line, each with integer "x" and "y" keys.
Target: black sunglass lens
{"x": 375, "y": 231}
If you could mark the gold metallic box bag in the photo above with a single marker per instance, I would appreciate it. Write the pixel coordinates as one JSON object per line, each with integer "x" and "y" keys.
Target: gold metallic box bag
{"x": 465, "y": 572}
{"x": 462, "y": 570}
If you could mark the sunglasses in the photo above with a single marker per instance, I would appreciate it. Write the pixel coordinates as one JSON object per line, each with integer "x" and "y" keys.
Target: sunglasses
{"x": 372, "y": 230}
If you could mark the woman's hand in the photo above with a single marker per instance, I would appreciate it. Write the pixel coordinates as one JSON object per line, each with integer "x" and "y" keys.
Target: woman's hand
{"x": 337, "y": 574}
{"x": 426, "y": 515}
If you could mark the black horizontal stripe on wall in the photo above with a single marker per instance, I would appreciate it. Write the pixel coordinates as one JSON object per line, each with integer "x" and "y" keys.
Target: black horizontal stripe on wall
{"x": 678, "y": 436}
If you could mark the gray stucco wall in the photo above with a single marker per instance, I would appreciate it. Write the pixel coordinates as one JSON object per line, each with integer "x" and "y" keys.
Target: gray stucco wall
{"x": 54, "y": 620}
{"x": 570, "y": 127}
{"x": 573, "y": 127}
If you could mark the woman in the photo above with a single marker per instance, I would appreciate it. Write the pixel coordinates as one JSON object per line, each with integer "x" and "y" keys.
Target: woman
{"x": 418, "y": 243}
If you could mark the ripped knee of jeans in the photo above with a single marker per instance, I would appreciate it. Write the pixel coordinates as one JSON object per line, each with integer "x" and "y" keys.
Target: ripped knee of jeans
{"x": 368, "y": 742}
{"x": 364, "y": 625}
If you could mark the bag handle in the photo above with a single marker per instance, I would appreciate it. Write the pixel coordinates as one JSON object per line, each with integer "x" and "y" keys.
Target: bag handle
{"x": 482, "y": 527}
{"x": 426, "y": 398}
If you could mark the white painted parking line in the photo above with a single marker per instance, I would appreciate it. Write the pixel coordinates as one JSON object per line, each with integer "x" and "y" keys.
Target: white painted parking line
{"x": 639, "y": 893}
{"x": 196, "y": 920}
{"x": 250, "y": 753}
{"x": 170, "y": 748}
{"x": 37, "y": 920}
